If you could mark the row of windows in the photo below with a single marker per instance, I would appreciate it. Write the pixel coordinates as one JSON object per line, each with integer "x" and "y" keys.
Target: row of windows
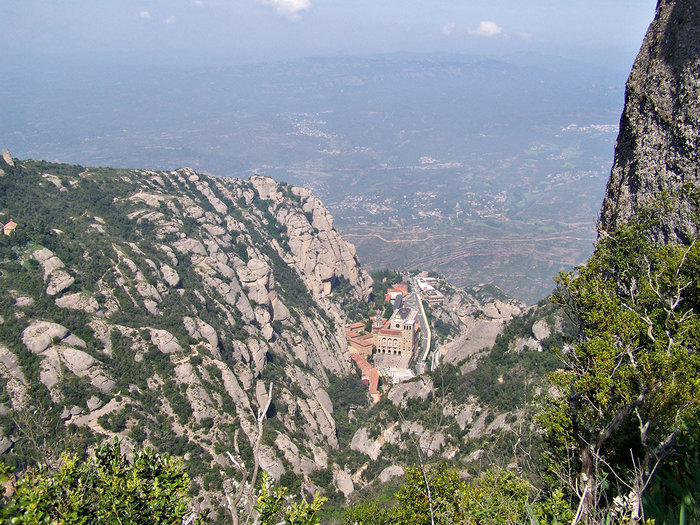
{"x": 390, "y": 343}
{"x": 385, "y": 351}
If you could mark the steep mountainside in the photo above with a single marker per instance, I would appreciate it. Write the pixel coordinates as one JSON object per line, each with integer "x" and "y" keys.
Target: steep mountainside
{"x": 658, "y": 148}
{"x": 161, "y": 305}
{"x": 158, "y": 307}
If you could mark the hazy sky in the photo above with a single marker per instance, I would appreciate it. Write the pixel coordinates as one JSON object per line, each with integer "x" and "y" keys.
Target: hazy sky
{"x": 208, "y": 31}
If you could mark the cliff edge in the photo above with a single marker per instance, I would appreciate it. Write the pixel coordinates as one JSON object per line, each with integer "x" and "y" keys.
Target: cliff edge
{"x": 657, "y": 150}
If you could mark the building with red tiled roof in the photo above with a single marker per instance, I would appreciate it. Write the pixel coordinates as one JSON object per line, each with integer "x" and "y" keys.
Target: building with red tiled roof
{"x": 370, "y": 376}
{"x": 9, "y": 227}
{"x": 401, "y": 288}
{"x": 358, "y": 340}
{"x": 360, "y": 343}
{"x": 357, "y": 327}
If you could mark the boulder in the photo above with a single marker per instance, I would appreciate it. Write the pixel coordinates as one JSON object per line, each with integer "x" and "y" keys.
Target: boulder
{"x": 362, "y": 443}
{"x": 188, "y": 245}
{"x": 77, "y": 361}
{"x": 10, "y": 365}
{"x": 258, "y": 353}
{"x": 165, "y": 341}
{"x": 93, "y": 403}
{"x": 23, "y": 301}
{"x": 38, "y": 336}
{"x": 270, "y": 462}
{"x": 59, "y": 280}
{"x": 102, "y": 383}
{"x": 290, "y": 452}
{"x": 150, "y": 199}
{"x": 267, "y": 188}
{"x": 48, "y": 261}
{"x": 256, "y": 279}
{"x": 391, "y": 472}
{"x": 169, "y": 275}
{"x": 421, "y": 388}
{"x": 74, "y": 340}
{"x": 209, "y": 334}
{"x": 343, "y": 480}
{"x": 7, "y": 157}
{"x": 244, "y": 307}
{"x": 279, "y": 310}
{"x": 53, "y": 179}
{"x": 151, "y": 307}
{"x": 79, "y": 301}
{"x": 541, "y": 330}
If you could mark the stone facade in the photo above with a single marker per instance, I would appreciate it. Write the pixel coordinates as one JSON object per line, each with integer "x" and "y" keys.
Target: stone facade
{"x": 398, "y": 335}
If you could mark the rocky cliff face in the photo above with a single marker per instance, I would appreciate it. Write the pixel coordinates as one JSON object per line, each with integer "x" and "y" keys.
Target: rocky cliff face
{"x": 657, "y": 155}
{"x": 158, "y": 307}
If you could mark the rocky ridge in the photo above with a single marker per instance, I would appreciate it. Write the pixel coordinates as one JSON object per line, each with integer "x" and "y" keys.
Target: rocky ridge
{"x": 656, "y": 154}
{"x": 158, "y": 307}
{"x": 154, "y": 306}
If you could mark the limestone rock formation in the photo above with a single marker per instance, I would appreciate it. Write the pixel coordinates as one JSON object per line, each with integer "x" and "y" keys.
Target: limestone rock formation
{"x": 480, "y": 318}
{"x": 317, "y": 248}
{"x": 79, "y": 301}
{"x": 159, "y": 309}
{"x": 418, "y": 389}
{"x": 38, "y": 336}
{"x": 165, "y": 341}
{"x": 361, "y": 442}
{"x": 541, "y": 330}
{"x": 657, "y": 154}
{"x": 391, "y": 472}
{"x": 7, "y": 157}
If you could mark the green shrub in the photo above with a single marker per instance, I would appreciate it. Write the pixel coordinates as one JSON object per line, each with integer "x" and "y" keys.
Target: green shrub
{"x": 108, "y": 489}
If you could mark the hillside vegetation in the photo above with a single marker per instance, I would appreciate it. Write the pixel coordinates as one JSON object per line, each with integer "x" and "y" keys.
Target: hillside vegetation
{"x": 159, "y": 308}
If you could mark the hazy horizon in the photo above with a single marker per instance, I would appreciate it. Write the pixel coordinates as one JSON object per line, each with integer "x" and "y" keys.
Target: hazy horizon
{"x": 487, "y": 123}
{"x": 210, "y": 32}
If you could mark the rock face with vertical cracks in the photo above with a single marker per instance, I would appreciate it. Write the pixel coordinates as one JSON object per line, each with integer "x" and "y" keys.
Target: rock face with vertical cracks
{"x": 161, "y": 298}
{"x": 657, "y": 154}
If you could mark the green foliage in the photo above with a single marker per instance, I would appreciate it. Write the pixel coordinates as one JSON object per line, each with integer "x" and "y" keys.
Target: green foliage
{"x": 502, "y": 380}
{"x": 630, "y": 378}
{"x": 503, "y": 497}
{"x": 322, "y": 478}
{"x": 674, "y": 494}
{"x": 273, "y": 505}
{"x": 382, "y": 281}
{"x": 348, "y": 393}
{"x": 108, "y": 489}
{"x": 388, "y": 311}
{"x": 344, "y": 294}
{"x": 442, "y": 330}
{"x": 441, "y": 486}
{"x": 115, "y": 421}
{"x": 76, "y": 390}
{"x": 370, "y": 513}
{"x": 497, "y": 496}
